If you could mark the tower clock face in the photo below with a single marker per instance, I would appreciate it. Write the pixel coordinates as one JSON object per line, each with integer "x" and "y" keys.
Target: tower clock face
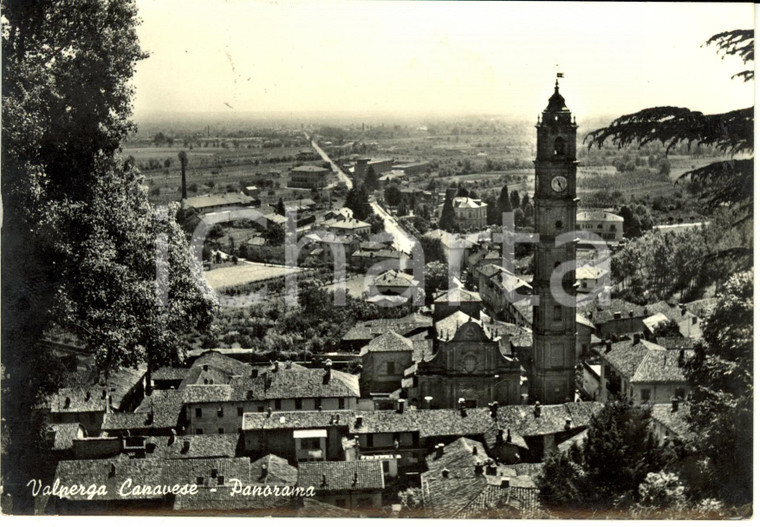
{"x": 559, "y": 184}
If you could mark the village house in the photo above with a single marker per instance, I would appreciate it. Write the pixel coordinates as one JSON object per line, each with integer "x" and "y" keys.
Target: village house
{"x": 604, "y": 224}
{"x": 219, "y": 408}
{"x": 457, "y": 299}
{"x": 643, "y": 371}
{"x": 219, "y": 202}
{"x": 349, "y": 484}
{"x": 415, "y": 326}
{"x": 470, "y": 213}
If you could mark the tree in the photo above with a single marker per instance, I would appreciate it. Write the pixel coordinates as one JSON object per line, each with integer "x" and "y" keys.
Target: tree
{"x": 462, "y": 193}
{"x": 433, "y": 249}
{"x": 393, "y": 195}
{"x": 667, "y": 329}
{"x": 514, "y": 199}
{"x": 280, "y": 208}
{"x": 377, "y": 223}
{"x": 357, "y": 200}
{"x": 607, "y": 469}
{"x": 436, "y": 278}
{"x": 80, "y": 237}
{"x": 525, "y": 201}
{"x": 631, "y": 222}
{"x": 723, "y": 182}
{"x": 370, "y": 180}
{"x": 503, "y": 204}
{"x": 721, "y": 372}
{"x": 274, "y": 234}
{"x": 447, "y": 221}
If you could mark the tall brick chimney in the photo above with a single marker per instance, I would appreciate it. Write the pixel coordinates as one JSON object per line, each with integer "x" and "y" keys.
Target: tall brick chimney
{"x": 183, "y": 163}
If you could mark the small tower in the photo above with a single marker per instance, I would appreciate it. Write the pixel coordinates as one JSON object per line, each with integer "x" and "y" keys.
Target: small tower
{"x": 553, "y": 364}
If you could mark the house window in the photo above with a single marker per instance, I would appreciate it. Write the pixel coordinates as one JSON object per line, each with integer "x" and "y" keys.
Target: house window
{"x": 199, "y": 431}
{"x": 220, "y": 480}
{"x": 370, "y": 440}
{"x": 317, "y": 402}
{"x": 261, "y": 408}
{"x": 199, "y": 480}
{"x": 645, "y": 395}
{"x": 612, "y": 228}
{"x": 220, "y": 412}
{"x": 341, "y": 403}
{"x": 680, "y": 393}
{"x": 390, "y": 368}
{"x": 198, "y": 412}
{"x": 240, "y": 411}
{"x": 278, "y": 404}
{"x": 557, "y": 313}
{"x": 340, "y": 503}
{"x": 221, "y": 430}
{"x": 299, "y": 404}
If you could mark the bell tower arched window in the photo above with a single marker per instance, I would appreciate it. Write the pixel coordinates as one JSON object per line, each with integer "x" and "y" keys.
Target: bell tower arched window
{"x": 559, "y": 147}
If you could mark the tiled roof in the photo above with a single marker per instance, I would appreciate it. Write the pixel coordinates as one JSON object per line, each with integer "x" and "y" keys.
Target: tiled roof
{"x": 319, "y": 509}
{"x": 360, "y": 332}
{"x": 423, "y": 349}
{"x": 625, "y": 356}
{"x": 192, "y": 446}
{"x": 166, "y": 406}
{"x": 673, "y": 343}
{"x": 458, "y": 295}
{"x": 674, "y": 421}
{"x": 149, "y": 471}
{"x": 598, "y": 313}
{"x": 652, "y": 321}
{"x": 277, "y": 471}
{"x": 390, "y": 341}
{"x": 282, "y": 384}
{"x": 451, "y": 488}
{"x": 331, "y": 476}
{"x": 218, "y": 200}
{"x": 661, "y": 366}
{"x": 64, "y": 435}
{"x": 91, "y": 398}
{"x": 395, "y": 278}
{"x": 467, "y": 203}
{"x": 169, "y": 373}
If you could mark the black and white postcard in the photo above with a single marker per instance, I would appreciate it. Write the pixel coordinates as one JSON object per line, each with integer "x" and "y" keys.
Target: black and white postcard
{"x": 453, "y": 260}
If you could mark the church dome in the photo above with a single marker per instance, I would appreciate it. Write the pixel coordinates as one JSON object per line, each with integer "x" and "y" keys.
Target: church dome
{"x": 557, "y": 102}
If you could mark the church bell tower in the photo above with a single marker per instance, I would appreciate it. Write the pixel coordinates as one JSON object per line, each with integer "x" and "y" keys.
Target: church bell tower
{"x": 554, "y": 332}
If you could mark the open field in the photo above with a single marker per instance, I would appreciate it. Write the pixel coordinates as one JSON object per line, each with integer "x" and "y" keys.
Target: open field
{"x": 246, "y": 273}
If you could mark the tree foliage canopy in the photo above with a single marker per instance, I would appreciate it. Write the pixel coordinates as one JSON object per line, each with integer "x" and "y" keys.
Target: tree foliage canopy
{"x": 724, "y": 182}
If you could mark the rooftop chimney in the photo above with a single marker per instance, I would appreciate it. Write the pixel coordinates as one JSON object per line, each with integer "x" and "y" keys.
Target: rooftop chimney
{"x": 617, "y": 315}
{"x": 173, "y": 436}
{"x": 185, "y": 446}
{"x": 275, "y": 366}
{"x": 103, "y": 394}
{"x": 289, "y": 364}
{"x": 254, "y": 373}
{"x": 324, "y": 480}
{"x": 636, "y": 338}
{"x": 401, "y": 404}
{"x": 111, "y": 470}
{"x": 269, "y": 411}
{"x": 608, "y": 345}
{"x": 356, "y": 479}
{"x": 494, "y": 409}
{"x": 445, "y": 473}
{"x": 205, "y": 367}
{"x": 567, "y": 423}
{"x": 438, "y": 450}
{"x": 630, "y": 314}
{"x": 537, "y": 409}
{"x": 509, "y": 435}
{"x": 681, "y": 357}
{"x": 475, "y": 451}
{"x": 674, "y": 402}
{"x": 149, "y": 420}
{"x": 264, "y": 471}
{"x": 87, "y": 396}
{"x": 463, "y": 411}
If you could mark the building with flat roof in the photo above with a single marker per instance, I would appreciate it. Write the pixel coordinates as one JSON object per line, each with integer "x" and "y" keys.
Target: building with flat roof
{"x": 308, "y": 176}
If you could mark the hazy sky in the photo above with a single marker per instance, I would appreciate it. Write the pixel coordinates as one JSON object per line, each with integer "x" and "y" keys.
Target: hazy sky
{"x": 434, "y": 57}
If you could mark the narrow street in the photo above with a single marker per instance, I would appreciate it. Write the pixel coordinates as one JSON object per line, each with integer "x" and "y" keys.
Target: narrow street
{"x": 335, "y": 168}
